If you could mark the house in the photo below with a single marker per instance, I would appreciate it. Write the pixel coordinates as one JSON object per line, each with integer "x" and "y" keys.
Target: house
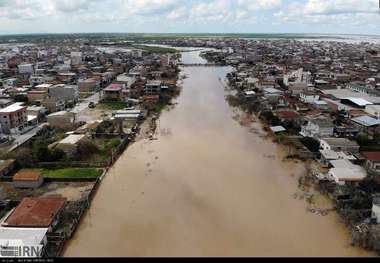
{"x": 366, "y": 123}
{"x": 67, "y": 93}
{"x": 372, "y": 162}
{"x": 25, "y": 69}
{"x": 339, "y": 144}
{"x": 356, "y": 102}
{"x": 285, "y": 116}
{"x": 127, "y": 80}
{"x": 330, "y": 155}
{"x": 70, "y": 144}
{"x": 297, "y": 88}
{"x": 6, "y": 167}
{"x": 13, "y": 118}
{"x": 62, "y": 119}
{"x": 88, "y": 85}
{"x": 36, "y": 212}
{"x": 153, "y": 87}
{"x": 76, "y": 58}
{"x": 317, "y": 127}
{"x": 37, "y": 95}
{"x": 321, "y": 105}
{"x": 376, "y": 210}
{"x": 37, "y": 111}
{"x": 346, "y": 132}
{"x": 54, "y": 104}
{"x": 309, "y": 97}
{"x": 30, "y": 240}
{"x": 277, "y": 129}
{"x": 113, "y": 92}
{"x": 28, "y": 179}
{"x": 344, "y": 172}
{"x": 272, "y": 95}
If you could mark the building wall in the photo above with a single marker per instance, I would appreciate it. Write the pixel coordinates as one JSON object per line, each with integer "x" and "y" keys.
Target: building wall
{"x": 66, "y": 93}
{"x": 63, "y": 122}
{"x": 87, "y": 86}
{"x": 13, "y": 120}
{"x": 376, "y": 212}
{"x": 32, "y": 96}
{"x": 26, "y": 184}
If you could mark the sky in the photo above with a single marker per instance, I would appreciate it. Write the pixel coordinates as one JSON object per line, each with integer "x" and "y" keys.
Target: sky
{"x": 190, "y": 16}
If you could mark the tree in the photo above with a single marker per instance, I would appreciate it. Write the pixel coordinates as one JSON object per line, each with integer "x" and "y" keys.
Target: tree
{"x": 86, "y": 148}
{"x": 42, "y": 153}
{"x": 311, "y": 144}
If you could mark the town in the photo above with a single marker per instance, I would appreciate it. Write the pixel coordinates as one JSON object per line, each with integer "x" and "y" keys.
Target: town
{"x": 69, "y": 108}
{"x": 67, "y": 111}
{"x": 321, "y": 100}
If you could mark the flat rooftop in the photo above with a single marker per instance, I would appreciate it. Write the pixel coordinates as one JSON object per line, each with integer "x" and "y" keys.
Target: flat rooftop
{"x": 35, "y": 212}
{"x": 12, "y": 108}
{"x": 349, "y": 94}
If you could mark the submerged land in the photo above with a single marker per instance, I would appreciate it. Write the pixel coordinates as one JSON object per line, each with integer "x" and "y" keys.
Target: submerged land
{"x": 193, "y": 145}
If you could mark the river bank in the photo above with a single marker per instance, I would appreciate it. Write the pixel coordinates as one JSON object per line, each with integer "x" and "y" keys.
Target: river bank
{"x": 206, "y": 187}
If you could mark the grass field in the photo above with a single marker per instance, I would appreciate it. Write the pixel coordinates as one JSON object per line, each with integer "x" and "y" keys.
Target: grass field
{"x": 71, "y": 173}
{"x": 112, "y": 106}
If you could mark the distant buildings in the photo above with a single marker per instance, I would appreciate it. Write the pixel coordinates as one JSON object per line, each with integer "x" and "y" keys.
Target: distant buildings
{"x": 13, "y": 118}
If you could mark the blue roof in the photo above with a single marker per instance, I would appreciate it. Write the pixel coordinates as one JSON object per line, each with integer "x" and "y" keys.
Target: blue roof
{"x": 366, "y": 121}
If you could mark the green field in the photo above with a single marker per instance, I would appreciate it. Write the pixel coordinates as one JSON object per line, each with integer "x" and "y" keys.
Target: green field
{"x": 112, "y": 106}
{"x": 71, "y": 173}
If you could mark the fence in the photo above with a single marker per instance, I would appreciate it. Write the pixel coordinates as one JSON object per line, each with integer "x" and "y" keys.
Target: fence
{"x": 74, "y": 164}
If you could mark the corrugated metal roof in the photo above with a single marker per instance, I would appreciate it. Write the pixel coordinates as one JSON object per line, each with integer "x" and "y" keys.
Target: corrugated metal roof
{"x": 366, "y": 121}
{"x": 276, "y": 129}
{"x": 359, "y": 101}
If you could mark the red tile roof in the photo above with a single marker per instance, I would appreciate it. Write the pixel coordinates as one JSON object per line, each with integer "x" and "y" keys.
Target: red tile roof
{"x": 25, "y": 175}
{"x": 372, "y": 156}
{"x": 114, "y": 87}
{"x": 288, "y": 114}
{"x": 35, "y": 212}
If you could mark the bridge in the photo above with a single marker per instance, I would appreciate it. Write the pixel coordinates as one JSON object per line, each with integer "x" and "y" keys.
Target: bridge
{"x": 200, "y": 65}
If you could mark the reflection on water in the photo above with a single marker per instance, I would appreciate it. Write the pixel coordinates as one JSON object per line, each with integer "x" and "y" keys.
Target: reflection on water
{"x": 205, "y": 188}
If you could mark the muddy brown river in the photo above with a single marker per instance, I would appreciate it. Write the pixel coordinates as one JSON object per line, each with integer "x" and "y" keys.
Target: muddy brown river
{"x": 207, "y": 187}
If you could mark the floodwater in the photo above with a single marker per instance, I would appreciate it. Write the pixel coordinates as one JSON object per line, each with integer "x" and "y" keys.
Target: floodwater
{"x": 206, "y": 187}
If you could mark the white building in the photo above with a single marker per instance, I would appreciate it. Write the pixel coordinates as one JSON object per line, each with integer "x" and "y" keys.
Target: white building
{"x": 25, "y": 68}
{"x": 76, "y": 58}
{"x": 307, "y": 97}
{"x": 346, "y": 172}
{"x": 376, "y": 210}
{"x": 317, "y": 128}
{"x": 64, "y": 92}
{"x": 297, "y": 76}
{"x": 126, "y": 79}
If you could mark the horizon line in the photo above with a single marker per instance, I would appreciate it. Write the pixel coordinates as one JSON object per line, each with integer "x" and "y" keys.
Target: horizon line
{"x": 183, "y": 33}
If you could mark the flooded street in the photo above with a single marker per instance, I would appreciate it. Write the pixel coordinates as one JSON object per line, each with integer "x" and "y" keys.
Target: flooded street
{"x": 206, "y": 187}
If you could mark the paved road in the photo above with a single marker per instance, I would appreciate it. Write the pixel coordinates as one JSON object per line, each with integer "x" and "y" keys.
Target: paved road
{"x": 20, "y": 140}
{"x": 84, "y": 104}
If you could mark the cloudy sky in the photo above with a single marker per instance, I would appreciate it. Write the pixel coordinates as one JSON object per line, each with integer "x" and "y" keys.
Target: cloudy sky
{"x": 190, "y": 16}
